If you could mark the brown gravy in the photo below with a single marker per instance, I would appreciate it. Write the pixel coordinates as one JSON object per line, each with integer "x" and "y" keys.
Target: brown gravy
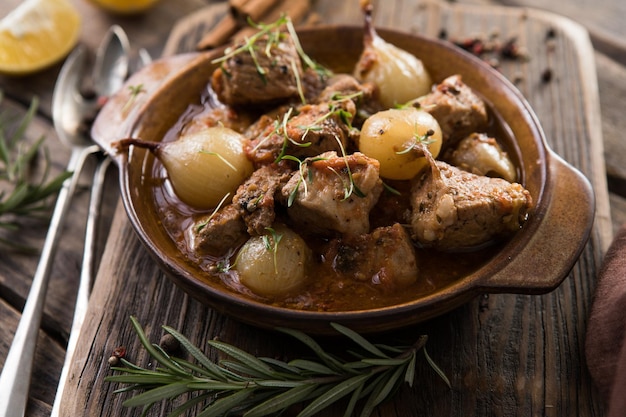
{"x": 327, "y": 290}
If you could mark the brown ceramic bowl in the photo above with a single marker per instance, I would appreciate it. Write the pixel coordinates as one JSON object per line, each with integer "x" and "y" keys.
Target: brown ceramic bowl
{"x": 527, "y": 263}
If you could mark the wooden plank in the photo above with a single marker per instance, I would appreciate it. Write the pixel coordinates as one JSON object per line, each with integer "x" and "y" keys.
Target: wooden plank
{"x": 505, "y": 354}
{"x": 603, "y": 19}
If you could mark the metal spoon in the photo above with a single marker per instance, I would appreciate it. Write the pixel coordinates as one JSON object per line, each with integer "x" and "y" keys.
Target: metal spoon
{"x": 87, "y": 269}
{"x": 69, "y": 111}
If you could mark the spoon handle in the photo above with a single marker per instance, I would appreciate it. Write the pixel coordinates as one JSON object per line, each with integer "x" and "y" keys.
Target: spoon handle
{"x": 86, "y": 276}
{"x": 16, "y": 374}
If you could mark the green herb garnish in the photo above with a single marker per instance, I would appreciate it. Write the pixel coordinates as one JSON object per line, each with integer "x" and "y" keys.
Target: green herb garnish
{"x": 418, "y": 142}
{"x": 254, "y": 387}
{"x": 24, "y": 193}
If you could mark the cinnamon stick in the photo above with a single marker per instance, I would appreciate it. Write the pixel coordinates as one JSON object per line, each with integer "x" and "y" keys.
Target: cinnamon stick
{"x": 232, "y": 27}
{"x": 220, "y": 34}
{"x": 242, "y": 10}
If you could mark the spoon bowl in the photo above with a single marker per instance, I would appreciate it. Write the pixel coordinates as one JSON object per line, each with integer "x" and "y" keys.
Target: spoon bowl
{"x": 70, "y": 109}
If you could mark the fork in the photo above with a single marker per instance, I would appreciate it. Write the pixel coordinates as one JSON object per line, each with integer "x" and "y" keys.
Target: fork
{"x": 110, "y": 71}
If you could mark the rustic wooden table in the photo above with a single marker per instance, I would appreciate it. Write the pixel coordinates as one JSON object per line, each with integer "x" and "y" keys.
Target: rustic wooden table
{"x": 504, "y": 354}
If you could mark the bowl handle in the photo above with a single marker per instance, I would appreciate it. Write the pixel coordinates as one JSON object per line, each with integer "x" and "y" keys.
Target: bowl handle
{"x": 561, "y": 235}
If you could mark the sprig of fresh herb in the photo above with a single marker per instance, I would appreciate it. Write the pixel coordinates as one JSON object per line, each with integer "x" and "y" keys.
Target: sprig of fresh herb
{"x": 274, "y": 35}
{"x": 271, "y": 241}
{"x": 301, "y": 180}
{"x": 418, "y": 142}
{"x": 23, "y": 194}
{"x": 256, "y": 386}
{"x": 134, "y": 92}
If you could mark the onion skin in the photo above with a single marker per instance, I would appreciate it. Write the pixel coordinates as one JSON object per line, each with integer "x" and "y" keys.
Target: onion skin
{"x": 400, "y": 77}
{"x": 270, "y": 269}
{"x": 206, "y": 166}
{"x": 389, "y": 135}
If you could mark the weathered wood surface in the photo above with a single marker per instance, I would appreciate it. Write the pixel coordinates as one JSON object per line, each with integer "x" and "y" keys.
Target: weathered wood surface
{"x": 505, "y": 354}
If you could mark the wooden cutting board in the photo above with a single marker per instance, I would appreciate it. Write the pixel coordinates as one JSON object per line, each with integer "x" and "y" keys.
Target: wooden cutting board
{"x": 508, "y": 355}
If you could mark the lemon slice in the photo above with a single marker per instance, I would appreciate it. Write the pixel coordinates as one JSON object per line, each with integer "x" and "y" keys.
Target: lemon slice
{"x": 37, "y": 34}
{"x": 125, "y": 6}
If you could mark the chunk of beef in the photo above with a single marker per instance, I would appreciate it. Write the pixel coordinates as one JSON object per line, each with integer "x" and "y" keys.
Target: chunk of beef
{"x": 345, "y": 85}
{"x": 457, "y": 109}
{"x": 384, "y": 257}
{"x": 217, "y": 233}
{"x": 326, "y": 199}
{"x": 313, "y": 129}
{"x": 313, "y": 83}
{"x": 259, "y": 77}
{"x": 482, "y": 155}
{"x": 263, "y": 143}
{"x": 319, "y": 128}
{"x": 255, "y": 197}
{"x": 453, "y": 209}
{"x": 363, "y": 95}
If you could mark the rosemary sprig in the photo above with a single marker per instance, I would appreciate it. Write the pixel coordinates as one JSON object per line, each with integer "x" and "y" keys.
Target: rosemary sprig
{"x": 256, "y": 387}
{"x": 22, "y": 193}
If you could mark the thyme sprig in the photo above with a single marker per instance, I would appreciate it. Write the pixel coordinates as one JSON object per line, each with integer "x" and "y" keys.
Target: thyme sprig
{"x": 134, "y": 92}
{"x": 418, "y": 142}
{"x": 272, "y": 31}
{"x": 301, "y": 180}
{"x": 274, "y": 35}
{"x": 257, "y": 386}
{"x": 271, "y": 241}
{"x": 23, "y": 193}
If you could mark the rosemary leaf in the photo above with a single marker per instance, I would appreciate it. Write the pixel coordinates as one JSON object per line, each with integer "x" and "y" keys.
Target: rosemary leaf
{"x": 282, "y": 366}
{"x": 243, "y": 369}
{"x": 314, "y": 367}
{"x": 282, "y": 401}
{"x": 384, "y": 362}
{"x": 200, "y": 369}
{"x": 189, "y": 404}
{"x": 387, "y": 386}
{"x": 224, "y": 405}
{"x": 409, "y": 375}
{"x": 210, "y": 367}
{"x": 330, "y": 361}
{"x": 354, "y": 398}
{"x": 155, "y": 353}
{"x": 156, "y": 394}
{"x": 23, "y": 193}
{"x": 333, "y": 395}
{"x": 358, "y": 339}
{"x": 436, "y": 368}
{"x": 142, "y": 378}
{"x": 245, "y": 358}
{"x": 215, "y": 385}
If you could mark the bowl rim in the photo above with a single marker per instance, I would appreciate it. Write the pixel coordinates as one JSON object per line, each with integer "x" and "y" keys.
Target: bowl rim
{"x": 460, "y": 290}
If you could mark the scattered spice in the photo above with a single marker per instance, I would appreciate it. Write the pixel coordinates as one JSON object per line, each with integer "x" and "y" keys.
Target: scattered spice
{"x": 510, "y": 49}
{"x": 490, "y": 48}
{"x": 117, "y": 354}
{"x": 169, "y": 343}
{"x": 546, "y": 75}
{"x": 518, "y": 77}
